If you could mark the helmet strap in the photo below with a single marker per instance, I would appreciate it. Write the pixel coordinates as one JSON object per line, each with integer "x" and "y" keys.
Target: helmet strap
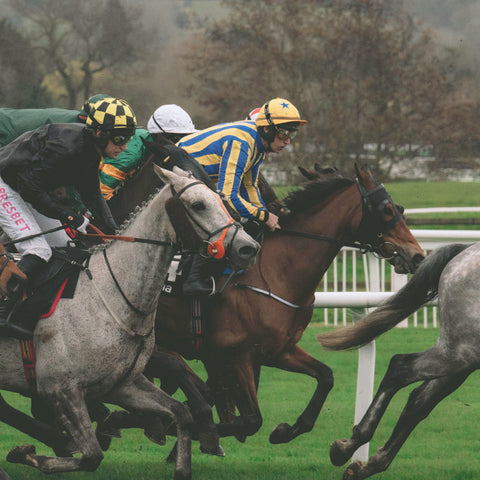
{"x": 158, "y": 125}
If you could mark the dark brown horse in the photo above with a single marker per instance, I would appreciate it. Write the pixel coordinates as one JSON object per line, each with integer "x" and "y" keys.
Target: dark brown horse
{"x": 262, "y": 314}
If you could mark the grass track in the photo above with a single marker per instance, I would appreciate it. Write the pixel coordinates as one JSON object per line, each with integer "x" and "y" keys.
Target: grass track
{"x": 446, "y": 443}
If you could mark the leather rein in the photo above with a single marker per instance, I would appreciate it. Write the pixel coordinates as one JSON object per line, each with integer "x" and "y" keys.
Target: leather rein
{"x": 211, "y": 248}
{"x": 373, "y": 202}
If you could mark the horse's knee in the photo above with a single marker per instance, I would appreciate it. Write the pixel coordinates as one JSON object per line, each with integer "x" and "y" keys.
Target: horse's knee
{"x": 252, "y": 424}
{"x": 325, "y": 380}
{"x": 90, "y": 463}
{"x": 183, "y": 417}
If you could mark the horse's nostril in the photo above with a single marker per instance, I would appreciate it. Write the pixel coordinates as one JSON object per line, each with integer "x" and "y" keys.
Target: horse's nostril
{"x": 247, "y": 251}
{"x": 416, "y": 261}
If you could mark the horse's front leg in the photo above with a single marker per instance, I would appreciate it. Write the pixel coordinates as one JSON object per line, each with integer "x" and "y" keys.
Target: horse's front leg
{"x": 71, "y": 413}
{"x": 421, "y": 402}
{"x": 298, "y": 361}
{"x": 174, "y": 373}
{"x": 234, "y": 385}
{"x": 143, "y": 397}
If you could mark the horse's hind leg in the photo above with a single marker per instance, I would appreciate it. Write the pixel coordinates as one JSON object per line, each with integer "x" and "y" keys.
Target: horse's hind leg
{"x": 72, "y": 414}
{"x": 298, "y": 361}
{"x": 142, "y": 396}
{"x": 403, "y": 370}
{"x": 36, "y": 429}
{"x": 4, "y": 475}
{"x": 421, "y": 402}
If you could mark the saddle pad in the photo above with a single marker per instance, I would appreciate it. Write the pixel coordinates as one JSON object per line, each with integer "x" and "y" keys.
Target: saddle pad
{"x": 58, "y": 280}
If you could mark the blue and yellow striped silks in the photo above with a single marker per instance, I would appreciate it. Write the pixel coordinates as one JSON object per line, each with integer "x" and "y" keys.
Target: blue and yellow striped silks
{"x": 232, "y": 154}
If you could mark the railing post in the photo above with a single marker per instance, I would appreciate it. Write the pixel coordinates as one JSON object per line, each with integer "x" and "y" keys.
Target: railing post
{"x": 366, "y": 361}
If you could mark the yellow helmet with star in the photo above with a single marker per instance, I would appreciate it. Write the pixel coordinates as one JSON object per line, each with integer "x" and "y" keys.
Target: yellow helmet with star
{"x": 277, "y": 112}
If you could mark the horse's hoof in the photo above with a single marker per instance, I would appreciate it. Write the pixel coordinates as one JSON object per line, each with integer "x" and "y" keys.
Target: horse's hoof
{"x": 282, "y": 433}
{"x": 156, "y": 436}
{"x": 218, "y": 450}
{"x": 19, "y": 454}
{"x": 180, "y": 475}
{"x": 338, "y": 455}
{"x": 241, "y": 437}
{"x": 352, "y": 472}
{"x": 108, "y": 431}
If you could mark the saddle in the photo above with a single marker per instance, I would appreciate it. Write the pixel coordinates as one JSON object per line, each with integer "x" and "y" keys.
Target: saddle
{"x": 57, "y": 280}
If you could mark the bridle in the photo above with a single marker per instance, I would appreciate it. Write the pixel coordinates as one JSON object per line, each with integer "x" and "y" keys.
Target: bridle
{"x": 212, "y": 248}
{"x": 373, "y": 203}
{"x": 209, "y": 247}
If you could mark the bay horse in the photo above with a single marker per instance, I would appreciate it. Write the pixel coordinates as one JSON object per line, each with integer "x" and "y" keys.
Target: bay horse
{"x": 96, "y": 345}
{"x": 261, "y": 315}
{"x": 452, "y": 274}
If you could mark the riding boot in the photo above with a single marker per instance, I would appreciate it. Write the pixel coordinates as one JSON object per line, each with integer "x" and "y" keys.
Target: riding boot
{"x": 29, "y": 265}
{"x": 199, "y": 281}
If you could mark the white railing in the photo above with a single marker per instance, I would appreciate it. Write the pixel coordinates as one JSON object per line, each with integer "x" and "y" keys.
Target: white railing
{"x": 349, "y": 285}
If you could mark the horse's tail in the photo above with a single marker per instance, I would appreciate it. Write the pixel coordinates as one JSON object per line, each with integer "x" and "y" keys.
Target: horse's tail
{"x": 422, "y": 287}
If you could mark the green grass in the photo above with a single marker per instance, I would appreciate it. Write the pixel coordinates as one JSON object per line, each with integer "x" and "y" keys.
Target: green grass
{"x": 445, "y": 443}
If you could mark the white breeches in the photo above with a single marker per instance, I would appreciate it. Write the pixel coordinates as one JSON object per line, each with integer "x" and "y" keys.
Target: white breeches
{"x": 19, "y": 219}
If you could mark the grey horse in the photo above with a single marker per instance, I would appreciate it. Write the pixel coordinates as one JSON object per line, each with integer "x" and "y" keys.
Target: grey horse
{"x": 96, "y": 345}
{"x": 451, "y": 272}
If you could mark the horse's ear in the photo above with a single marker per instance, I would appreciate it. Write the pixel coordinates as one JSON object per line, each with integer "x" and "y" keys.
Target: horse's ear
{"x": 165, "y": 175}
{"x": 158, "y": 150}
{"x": 309, "y": 174}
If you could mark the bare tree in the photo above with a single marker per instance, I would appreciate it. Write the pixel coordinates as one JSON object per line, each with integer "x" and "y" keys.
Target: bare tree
{"x": 79, "y": 40}
{"x": 20, "y": 80}
{"x": 360, "y": 72}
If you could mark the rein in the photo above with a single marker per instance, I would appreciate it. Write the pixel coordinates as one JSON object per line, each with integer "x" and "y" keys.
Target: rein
{"x": 373, "y": 202}
{"x": 214, "y": 249}
{"x": 364, "y": 247}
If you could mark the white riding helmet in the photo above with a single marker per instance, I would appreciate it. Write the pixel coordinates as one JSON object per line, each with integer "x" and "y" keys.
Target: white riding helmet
{"x": 171, "y": 119}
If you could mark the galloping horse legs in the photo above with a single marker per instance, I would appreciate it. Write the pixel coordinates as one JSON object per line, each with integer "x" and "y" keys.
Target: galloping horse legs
{"x": 298, "y": 361}
{"x": 35, "y": 428}
{"x": 238, "y": 380}
{"x": 72, "y": 414}
{"x": 174, "y": 373}
{"x": 421, "y": 402}
{"x": 403, "y": 370}
{"x": 142, "y": 396}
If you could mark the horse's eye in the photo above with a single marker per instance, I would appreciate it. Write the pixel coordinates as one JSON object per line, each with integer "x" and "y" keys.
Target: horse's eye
{"x": 388, "y": 210}
{"x": 400, "y": 208}
{"x": 198, "y": 206}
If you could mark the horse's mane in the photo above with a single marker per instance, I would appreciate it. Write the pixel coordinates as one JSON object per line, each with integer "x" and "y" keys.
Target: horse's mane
{"x": 313, "y": 193}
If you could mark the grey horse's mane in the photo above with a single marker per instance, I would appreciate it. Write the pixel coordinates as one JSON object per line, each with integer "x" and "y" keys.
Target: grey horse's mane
{"x": 131, "y": 218}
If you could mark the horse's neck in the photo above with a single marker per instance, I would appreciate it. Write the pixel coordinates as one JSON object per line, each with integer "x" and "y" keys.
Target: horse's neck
{"x": 140, "y": 268}
{"x": 304, "y": 261}
{"x": 135, "y": 191}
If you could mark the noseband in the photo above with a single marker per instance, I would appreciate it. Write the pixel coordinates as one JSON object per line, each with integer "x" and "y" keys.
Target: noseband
{"x": 373, "y": 204}
{"x": 209, "y": 247}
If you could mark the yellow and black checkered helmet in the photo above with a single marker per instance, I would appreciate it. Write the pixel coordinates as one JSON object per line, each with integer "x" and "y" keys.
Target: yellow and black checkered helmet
{"x": 112, "y": 114}
{"x": 278, "y": 111}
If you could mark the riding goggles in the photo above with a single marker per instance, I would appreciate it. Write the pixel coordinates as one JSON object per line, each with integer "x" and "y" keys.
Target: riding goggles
{"x": 283, "y": 134}
{"x": 120, "y": 140}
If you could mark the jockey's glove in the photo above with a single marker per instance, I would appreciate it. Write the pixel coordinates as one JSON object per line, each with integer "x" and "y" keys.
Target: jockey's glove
{"x": 78, "y": 223}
